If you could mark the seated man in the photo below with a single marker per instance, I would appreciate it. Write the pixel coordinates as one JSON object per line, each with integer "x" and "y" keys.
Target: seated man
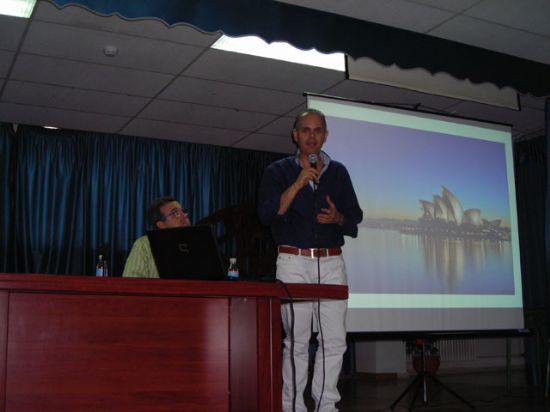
{"x": 165, "y": 212}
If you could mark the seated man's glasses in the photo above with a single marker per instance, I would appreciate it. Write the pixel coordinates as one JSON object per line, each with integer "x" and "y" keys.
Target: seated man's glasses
{"x": 176, "y": 213}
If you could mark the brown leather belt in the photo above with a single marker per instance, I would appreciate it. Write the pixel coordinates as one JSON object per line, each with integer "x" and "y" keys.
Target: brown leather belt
{"x": 312, "y": 253}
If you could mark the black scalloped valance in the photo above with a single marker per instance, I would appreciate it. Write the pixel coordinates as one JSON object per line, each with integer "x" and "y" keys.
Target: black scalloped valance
{"x": 305, "y": 28}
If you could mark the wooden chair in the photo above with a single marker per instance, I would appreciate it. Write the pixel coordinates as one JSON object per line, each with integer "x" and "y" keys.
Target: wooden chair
{"x": 240, "y": 234}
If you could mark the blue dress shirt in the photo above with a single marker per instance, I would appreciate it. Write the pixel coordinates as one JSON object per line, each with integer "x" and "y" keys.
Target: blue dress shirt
{"x": 298, "y": 226}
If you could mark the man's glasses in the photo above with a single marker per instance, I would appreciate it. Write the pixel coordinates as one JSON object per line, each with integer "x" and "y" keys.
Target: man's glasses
{"x": 176, "y": 213}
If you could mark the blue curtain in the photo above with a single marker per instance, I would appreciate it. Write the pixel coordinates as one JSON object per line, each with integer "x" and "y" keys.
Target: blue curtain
{"x": 6, "y": 179}
{"x": 531, "y": 183}
{"x": 69, "y": 194}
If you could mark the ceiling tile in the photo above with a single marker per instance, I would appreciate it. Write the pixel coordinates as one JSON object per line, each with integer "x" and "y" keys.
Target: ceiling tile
{"x": 281, "y": 126}
{"x": 398, "y": 13}
{"x": 532, "y": 102}
{"x": 496, "y": 37}
{"x": 456, "y": 6}
{"x": 151, "y": 28}
{"x": 235, "y": 96}
{"x": 87, "y": 45}
{"x": 393, "y": 96}
{"x": 260, "y": 72}
{"x": 266, "y": 142}
{"x": 532, "y": 15}
{"x": 11, "y": 31}
{"x": 72, "y": 98}
{"x": 522, "y": 121}
{"x": 525, "y": 121}
{"x": 194, "y": 114}
{"x": 424, "y": 16}
{"x": 375, "y": 93}
{"x": 6, "y": 58}
{"x": 88, "y": 76}
{"x": 65, "y": 119}
{"x": 182, "y": 132}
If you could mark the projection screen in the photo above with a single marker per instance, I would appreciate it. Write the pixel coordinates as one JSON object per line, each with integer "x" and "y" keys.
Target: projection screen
{"x": 438, "y": 248}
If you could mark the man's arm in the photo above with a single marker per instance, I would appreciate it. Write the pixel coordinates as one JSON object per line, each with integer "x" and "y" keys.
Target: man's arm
{"x": 140, "y": 262}
{"x": 353, "y": 215}
{"x": 348, "y": 213}
{"x": 287, "y": 197}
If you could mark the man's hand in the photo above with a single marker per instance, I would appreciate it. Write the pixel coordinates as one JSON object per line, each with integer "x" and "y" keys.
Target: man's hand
{"x": 330, "y": 215}
{"x": 307, "y": 175}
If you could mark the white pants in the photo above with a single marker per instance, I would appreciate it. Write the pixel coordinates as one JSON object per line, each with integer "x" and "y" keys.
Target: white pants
{"x": 330, "y": 323}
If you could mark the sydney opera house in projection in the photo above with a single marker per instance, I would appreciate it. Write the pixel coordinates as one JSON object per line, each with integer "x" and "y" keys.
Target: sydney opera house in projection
{"x": 444, "y": 215}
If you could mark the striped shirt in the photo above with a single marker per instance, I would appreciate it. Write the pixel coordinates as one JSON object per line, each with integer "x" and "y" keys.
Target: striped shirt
{"x": 140, "y": 262}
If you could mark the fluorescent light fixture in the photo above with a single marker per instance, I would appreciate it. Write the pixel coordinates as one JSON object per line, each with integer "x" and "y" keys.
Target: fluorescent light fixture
{"x": 17, "y": 8}
{"x": 255, "y": 46}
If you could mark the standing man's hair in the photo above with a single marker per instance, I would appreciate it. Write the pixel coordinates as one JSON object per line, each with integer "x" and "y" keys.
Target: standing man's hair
{"x": 153, "y": 213}
{"x": 307, "y": 113}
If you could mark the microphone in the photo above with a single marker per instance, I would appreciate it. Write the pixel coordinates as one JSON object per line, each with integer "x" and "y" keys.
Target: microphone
{"x": 312, "y": 158}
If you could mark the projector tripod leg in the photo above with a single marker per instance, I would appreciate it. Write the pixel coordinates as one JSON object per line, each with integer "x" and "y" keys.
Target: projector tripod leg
{"x": 420, "y": 381}
{"x": 416, "y": 381}
{"x": 452, "y": 392}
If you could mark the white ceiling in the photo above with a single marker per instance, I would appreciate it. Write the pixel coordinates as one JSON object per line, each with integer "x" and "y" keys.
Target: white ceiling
{"x": 167, "y": 83}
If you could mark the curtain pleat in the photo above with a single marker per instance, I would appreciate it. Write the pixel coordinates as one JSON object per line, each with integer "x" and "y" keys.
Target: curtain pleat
{"x": 67, "y": 195}
{"x": 531, "y": 181}
{"x": 530, "y": 160}
{"x": 6, "y": 198}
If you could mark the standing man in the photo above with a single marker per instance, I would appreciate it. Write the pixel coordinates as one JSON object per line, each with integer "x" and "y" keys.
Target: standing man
{"x": 165, "y": 212}
{"x": 309, "y": 201}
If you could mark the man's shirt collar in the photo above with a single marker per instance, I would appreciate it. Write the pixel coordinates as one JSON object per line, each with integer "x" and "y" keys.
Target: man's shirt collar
{"x": 324, "y": 157}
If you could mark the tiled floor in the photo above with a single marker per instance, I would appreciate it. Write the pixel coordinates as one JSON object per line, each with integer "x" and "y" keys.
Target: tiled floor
{"x": 484, "y": 389}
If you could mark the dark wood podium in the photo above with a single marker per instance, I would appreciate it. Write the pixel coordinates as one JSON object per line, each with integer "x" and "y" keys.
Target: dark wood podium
{"x": 73, "y": 343}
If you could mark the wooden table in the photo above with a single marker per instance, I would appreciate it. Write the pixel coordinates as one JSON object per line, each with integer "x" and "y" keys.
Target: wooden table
{"x": 75, "y": 343}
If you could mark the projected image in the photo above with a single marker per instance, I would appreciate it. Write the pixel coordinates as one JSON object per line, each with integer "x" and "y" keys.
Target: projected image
{"x": 437, "y": 218}
{"x": 438, "y": 249}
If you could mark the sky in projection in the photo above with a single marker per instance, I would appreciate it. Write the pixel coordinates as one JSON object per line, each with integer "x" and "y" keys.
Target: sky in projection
{"x": 392, "y": 168}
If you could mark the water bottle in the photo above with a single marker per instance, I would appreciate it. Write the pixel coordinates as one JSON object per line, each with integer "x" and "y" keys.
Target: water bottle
{"x": 101, "y": 267}
{"x": 233, "y": 270}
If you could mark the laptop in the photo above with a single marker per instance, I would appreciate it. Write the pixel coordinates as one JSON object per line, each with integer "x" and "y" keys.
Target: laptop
{"x": 187, "y": 253}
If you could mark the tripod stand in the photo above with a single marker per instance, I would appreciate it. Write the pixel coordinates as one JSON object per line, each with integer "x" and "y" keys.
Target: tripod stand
{"x": 420, "y": 382}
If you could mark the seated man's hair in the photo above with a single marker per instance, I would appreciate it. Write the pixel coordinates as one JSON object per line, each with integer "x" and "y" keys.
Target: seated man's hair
{"x": 153, "y": 213}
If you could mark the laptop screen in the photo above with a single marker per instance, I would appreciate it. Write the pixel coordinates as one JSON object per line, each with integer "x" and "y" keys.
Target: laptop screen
{"x": 187, "y": 253}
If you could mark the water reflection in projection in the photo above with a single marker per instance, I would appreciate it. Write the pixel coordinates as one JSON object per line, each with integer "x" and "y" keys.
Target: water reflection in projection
{"x": 387, "y": 261}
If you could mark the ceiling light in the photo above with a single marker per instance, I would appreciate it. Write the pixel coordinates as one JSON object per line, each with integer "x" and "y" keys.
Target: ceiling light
{"x": 17, "y": 8}
{"x": 280, "y": 51}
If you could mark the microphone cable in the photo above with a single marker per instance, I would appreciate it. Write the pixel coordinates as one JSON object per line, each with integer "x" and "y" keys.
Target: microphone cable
{"x": 291, "y": 337}
{"x": 320, "y": 331}
{"x": 321, "y": 341}
{"x": 312, "y": 158}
